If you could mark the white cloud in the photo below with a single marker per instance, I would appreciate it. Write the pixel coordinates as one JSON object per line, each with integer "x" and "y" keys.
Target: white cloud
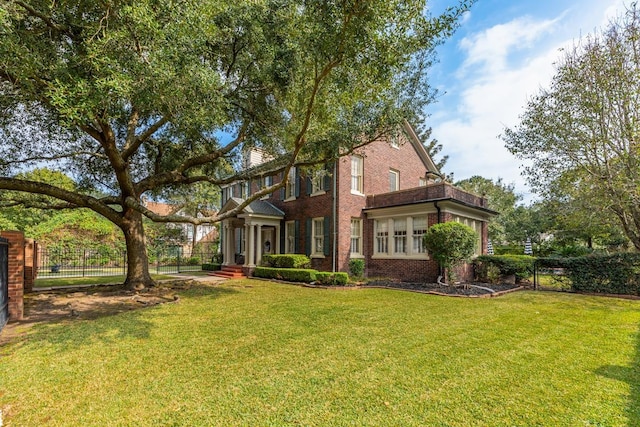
{"x": 490, "y": 49}
{"x": 503, "y": 66}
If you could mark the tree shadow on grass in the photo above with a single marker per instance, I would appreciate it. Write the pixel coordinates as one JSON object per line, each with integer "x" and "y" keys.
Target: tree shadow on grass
{"x": 630, "y": 375}
{"x": 75, "y": 318}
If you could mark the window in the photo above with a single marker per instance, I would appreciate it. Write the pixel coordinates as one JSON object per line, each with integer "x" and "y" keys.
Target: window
{"x": 382, "y": 236}
{"x": 356, "y": 236}
{"x": 394, "y": 180}
{"x": 318, "y": 236}
{"x": 419, "y": 228}
{"x": 290, "y": 236}
{"x": 356, "y": 174}
{"x": 400, "y": 236}
{"x": 290, "y": 187}
{"x": 317, "y": 182}
{"x": 395, "y": 140}
{"x": 244, "y": 190}
{"x": 266, "y": 181}
{"x": 422, "y": 182}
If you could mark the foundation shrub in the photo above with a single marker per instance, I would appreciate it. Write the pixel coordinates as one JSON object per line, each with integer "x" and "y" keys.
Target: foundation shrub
{"x": 286, "y": 261}
{"x": 332, "y": 279}
{"x": 356, "y": 267}
{"x": 290, "y": 274}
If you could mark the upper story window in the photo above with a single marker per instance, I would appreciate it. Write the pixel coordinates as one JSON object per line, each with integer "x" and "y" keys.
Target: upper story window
{"x": 422, "y": 182}
{"x": 317, "y": 181}
{"x": 290, "y": 190}
{"x": 394, "y": 180}
{"x": 357, "y": 173}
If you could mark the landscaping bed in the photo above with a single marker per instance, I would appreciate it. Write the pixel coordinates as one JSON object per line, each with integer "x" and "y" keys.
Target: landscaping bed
{"x": 457, "y": 290}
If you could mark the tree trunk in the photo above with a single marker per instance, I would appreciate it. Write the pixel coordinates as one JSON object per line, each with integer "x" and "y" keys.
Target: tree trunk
{"x": 138, "y": 276}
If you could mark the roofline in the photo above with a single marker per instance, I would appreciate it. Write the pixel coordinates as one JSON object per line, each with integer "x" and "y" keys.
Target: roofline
{"x": 417, "y": 145}
{"x": 445, "y": 199}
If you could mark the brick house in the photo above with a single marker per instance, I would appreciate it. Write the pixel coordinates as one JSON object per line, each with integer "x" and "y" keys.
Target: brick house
{"x": 374, "y": 204}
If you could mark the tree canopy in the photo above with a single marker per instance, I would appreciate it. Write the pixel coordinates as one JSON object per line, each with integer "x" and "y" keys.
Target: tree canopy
{"x": 501, "y": 198}
{"x": 581, "y": 133}
{"x": 135, "y": 97}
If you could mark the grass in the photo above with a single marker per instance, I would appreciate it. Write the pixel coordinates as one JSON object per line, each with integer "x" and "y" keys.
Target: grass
{"x": 254, "y": 353}
{"x": 87, "y": 280}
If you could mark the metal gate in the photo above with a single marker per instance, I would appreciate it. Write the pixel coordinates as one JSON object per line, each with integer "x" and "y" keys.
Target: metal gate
{"x": 4, "y": 281}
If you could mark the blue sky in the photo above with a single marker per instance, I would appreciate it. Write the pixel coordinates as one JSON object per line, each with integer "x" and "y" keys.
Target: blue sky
{"x": 502, "y": 54}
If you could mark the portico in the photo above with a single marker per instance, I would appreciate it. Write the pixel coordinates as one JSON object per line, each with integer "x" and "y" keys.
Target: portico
{"x": 252, "y": 233}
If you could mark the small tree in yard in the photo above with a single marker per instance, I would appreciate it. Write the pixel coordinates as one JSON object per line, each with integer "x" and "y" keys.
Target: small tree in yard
{"x": 450, "y": 243}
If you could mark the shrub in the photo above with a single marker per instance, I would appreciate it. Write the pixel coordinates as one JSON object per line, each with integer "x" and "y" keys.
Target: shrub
{"x": 332, "y": 279}
{"x": 356, "y": 267}
{"x": 216, "y": 258}
{"x": 290, "y": 274}
{"x": 211, "y": 266}
{"x": 194, "y": 260}
{"x": 612, "y": 274}
{"x": 519, "y": 265}
{"x": 286, "y": 261}
{"x": 450, "y": 243}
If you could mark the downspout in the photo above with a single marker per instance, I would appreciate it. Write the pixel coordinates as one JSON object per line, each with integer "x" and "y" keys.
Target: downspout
{"x": 334, "y": 250}
{"x": 438, "y": 210}
{"x": 334, "y": 200}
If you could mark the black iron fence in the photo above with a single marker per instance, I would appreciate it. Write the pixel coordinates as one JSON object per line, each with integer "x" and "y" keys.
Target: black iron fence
{"x": 84, "y": 262}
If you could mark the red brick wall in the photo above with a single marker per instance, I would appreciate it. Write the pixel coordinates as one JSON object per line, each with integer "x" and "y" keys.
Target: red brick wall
{"x": 378, "y": 158}
{"x": 16, "y": 273}
{"x": 30, "y": 264}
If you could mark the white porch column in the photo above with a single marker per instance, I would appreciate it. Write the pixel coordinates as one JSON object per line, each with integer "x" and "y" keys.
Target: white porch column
{"x": 226, "y": 258}
{"x": 248, "y": 250}
{"x": 259, "y": 244}
{"x": 277, "y": 240}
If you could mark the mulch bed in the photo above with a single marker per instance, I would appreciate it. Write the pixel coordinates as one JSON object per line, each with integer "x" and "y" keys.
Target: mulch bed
{"x": 457, "y": 290}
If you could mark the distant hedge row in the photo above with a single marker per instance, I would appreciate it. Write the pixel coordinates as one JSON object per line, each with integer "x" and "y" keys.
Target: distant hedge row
{"x": 611, "y": 274}
{"x": 492, "y": 268}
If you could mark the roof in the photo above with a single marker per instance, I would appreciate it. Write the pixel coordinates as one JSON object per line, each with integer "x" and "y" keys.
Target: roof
{"x": 256, "y": 207}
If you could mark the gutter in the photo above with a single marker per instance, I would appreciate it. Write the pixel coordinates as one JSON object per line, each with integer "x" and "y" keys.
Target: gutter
{"x": 438, "y": 209}
{"x": 334, "y": 250}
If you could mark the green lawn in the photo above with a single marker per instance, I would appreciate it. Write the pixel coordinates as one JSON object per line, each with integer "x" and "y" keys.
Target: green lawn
{"x": 254, "y": 353}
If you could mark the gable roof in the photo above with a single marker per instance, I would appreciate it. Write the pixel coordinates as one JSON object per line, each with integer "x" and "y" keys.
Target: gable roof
{"x": 256, "y": 207}
{"x": 417, "y": 145}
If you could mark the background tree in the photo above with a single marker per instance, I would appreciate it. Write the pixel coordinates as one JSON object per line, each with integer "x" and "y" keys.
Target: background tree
{"x": 137, "y": 96}
{"x": 581, "y": 134}
{"x": 501, "y": 198}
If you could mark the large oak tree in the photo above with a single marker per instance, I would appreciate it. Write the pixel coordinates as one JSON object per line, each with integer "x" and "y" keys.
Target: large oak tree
{"x": 582, "y": 134}
{"x": 134, "y": 97}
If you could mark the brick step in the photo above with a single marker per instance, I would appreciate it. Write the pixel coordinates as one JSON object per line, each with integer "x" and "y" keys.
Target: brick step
{"x": 229, "y": 272}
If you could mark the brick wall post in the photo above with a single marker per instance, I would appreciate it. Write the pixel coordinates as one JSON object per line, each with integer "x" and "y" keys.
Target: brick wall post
{"x": 16, "y": 273}
{"x": 30, "y": 254}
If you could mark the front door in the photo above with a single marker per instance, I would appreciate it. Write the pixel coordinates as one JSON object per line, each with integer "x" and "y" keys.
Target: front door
{"x": 268, "y": 244}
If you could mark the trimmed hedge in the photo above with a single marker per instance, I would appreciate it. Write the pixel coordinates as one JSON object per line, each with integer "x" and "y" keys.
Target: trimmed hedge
{"x": 506, "y": 265}
{"x": 356, "y": 267}
{"x": 286, "y": 261}
{"x": 211, "y": 266}
{"x": 290, "y": 274}
{"x": 610, "y": 274}
{"x": 332, "y": 279}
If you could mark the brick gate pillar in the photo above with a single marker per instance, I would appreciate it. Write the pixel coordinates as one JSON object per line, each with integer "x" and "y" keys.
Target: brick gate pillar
{"x": 16, "y": 273}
